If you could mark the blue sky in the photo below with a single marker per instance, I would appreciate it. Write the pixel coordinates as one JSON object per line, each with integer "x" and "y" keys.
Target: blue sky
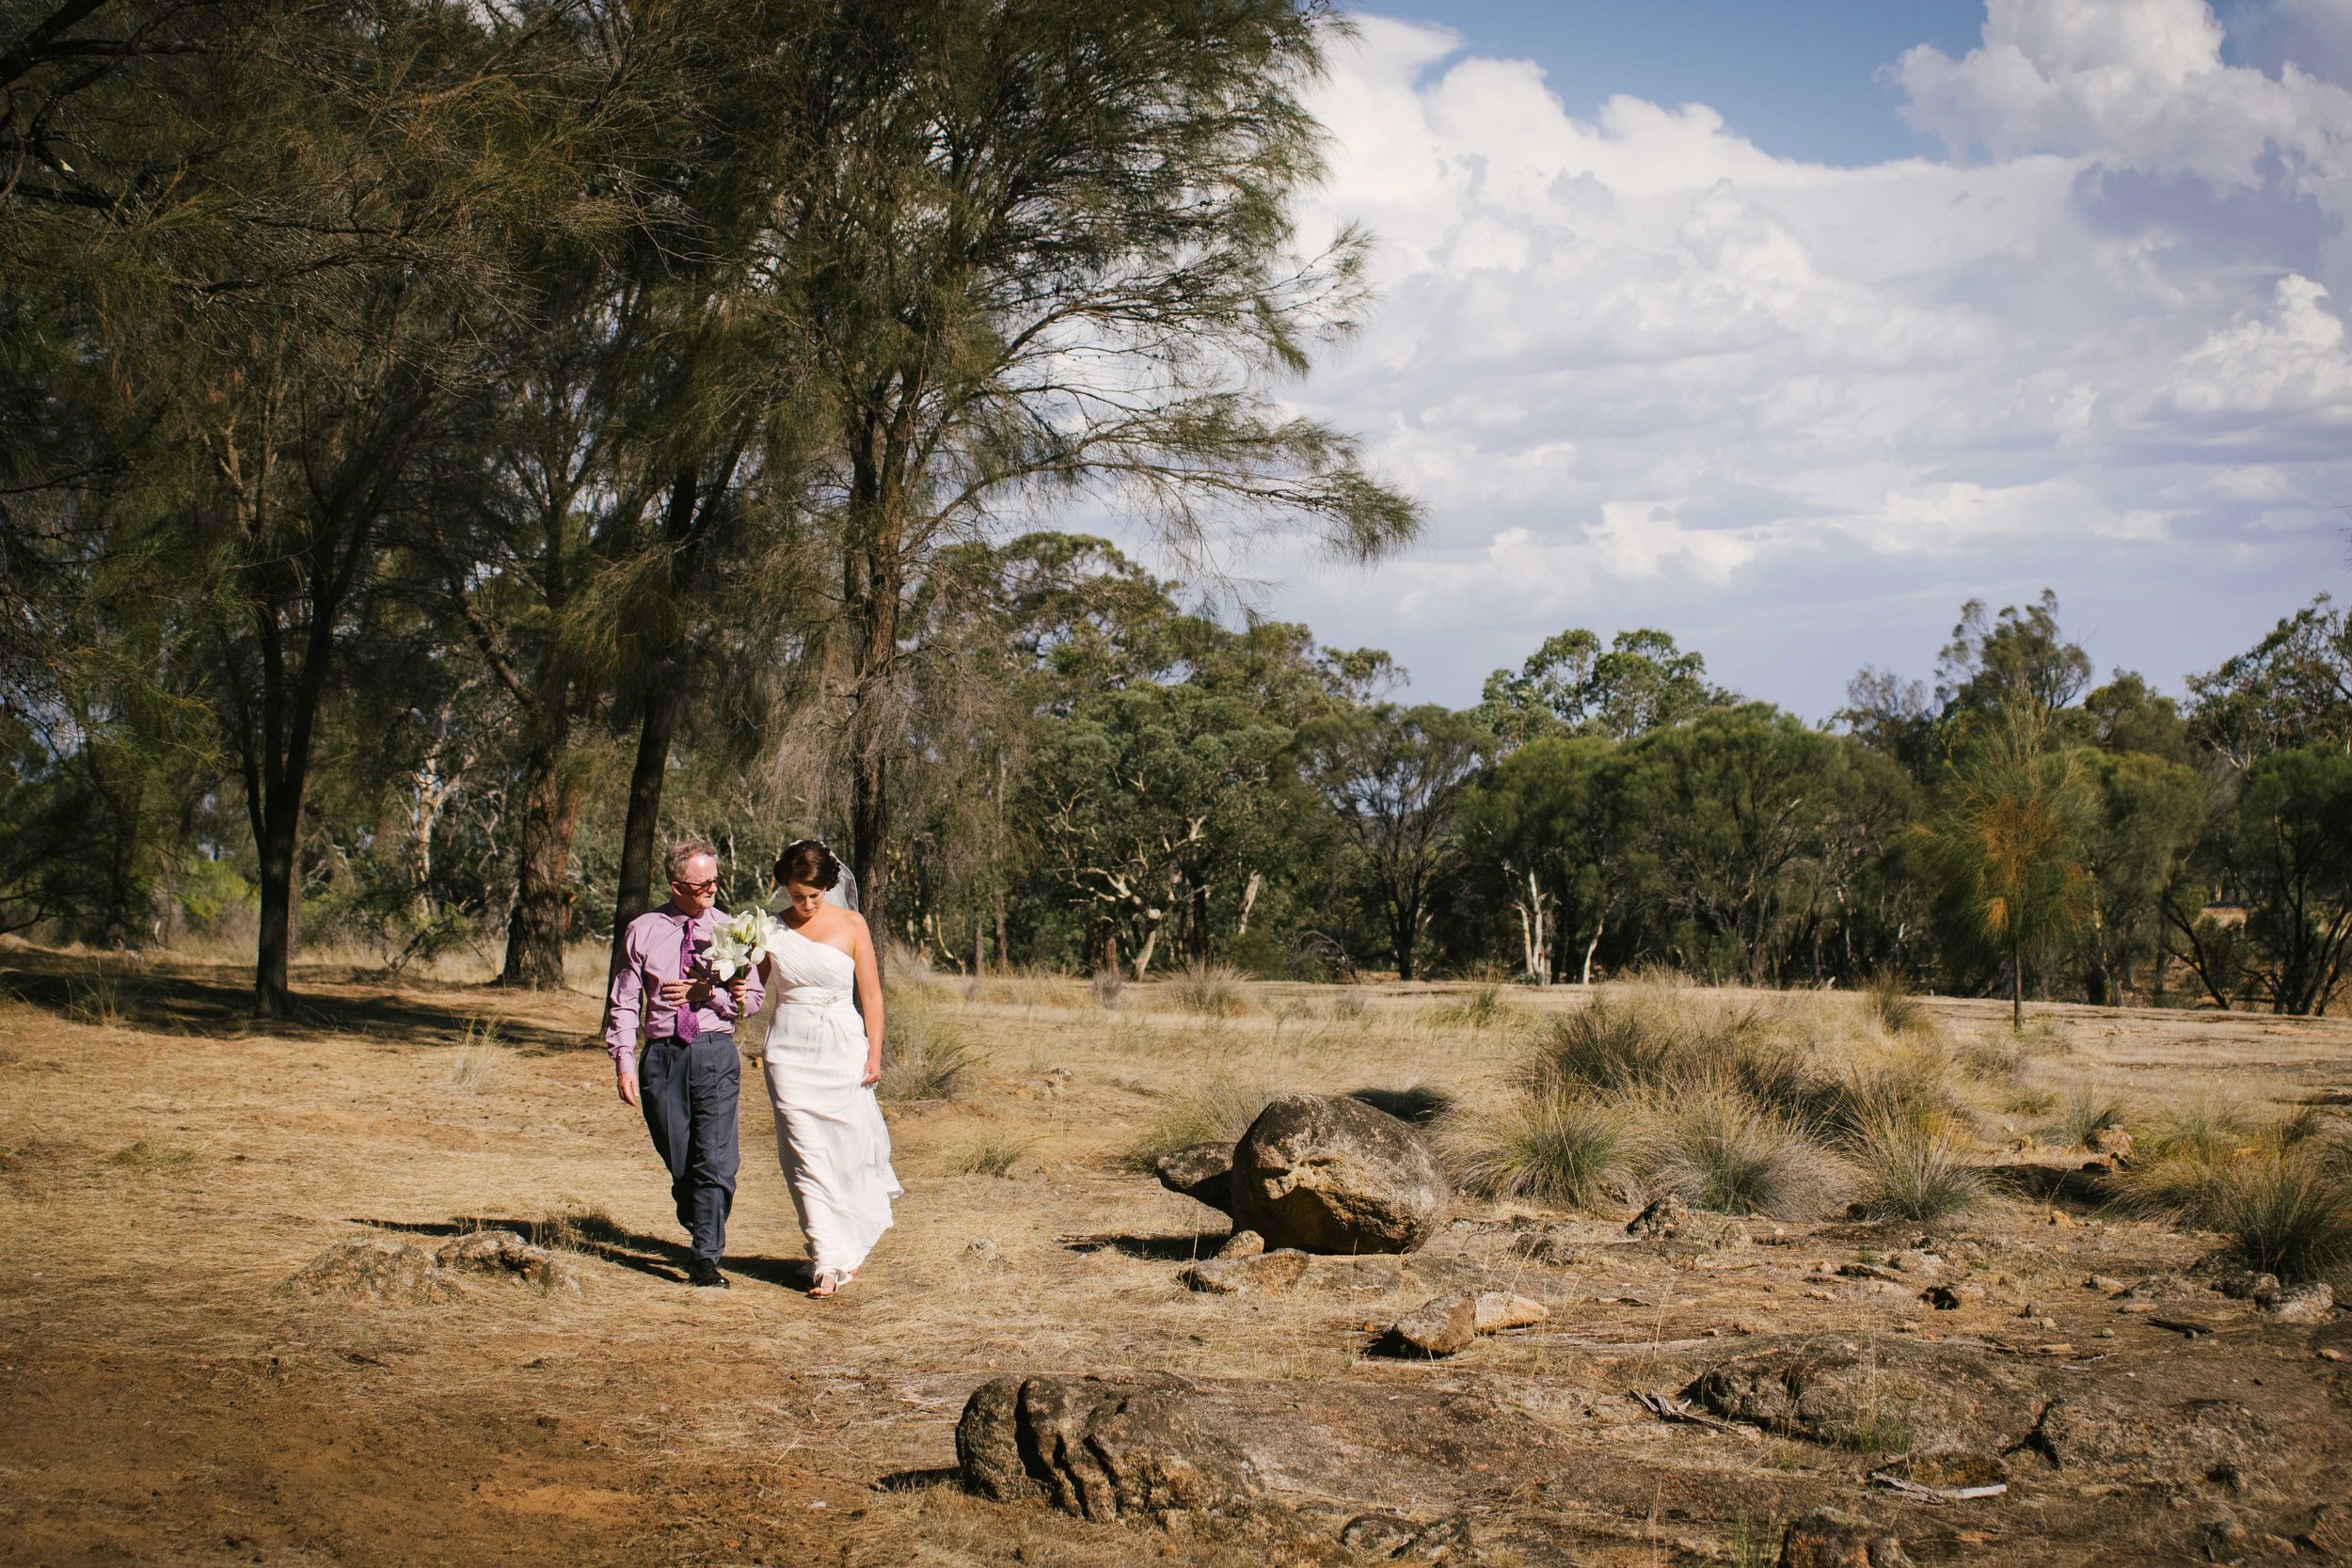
{"x": 1798, "y": 76}
{"x": 1787, "y": 327}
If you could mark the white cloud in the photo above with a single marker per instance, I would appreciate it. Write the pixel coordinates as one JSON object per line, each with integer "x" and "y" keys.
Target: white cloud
{"x": 1643, "y": 371}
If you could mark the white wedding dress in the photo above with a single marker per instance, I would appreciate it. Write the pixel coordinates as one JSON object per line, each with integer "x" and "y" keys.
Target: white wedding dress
{"x": 829, "y": 1135}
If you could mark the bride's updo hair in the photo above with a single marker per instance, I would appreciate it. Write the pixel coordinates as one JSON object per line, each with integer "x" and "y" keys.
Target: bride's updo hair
{"x": 808, "y": 862}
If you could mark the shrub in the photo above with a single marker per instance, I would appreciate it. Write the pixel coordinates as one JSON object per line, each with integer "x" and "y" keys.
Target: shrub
{"x": 1481, "y": 1008}
{"x": 924, "y": 1056}
{"x": 1892, "y": 1003}
{"x": 1720, "y": 1149}
{"x": 1908, "y": 1089}
{"x": 2085, "y": 1113}
{"x": 1569, "y": 1152}
{"x": 994, "y": 1154}
{"x": 1107, "y": 985}
{"x": 476, "y": 1061}
{"x": 1218, "y": 1111}
{"x": 1213, "y": 990}
{"x": 1914, "y": 1170}
{"x": 2284, "y": 1214}
{"x": 2203, "y": 1130}
{"x": 1604, "y": 1048}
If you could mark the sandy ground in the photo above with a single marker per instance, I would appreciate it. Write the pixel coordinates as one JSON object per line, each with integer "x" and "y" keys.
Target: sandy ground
{"x": 165, "y": 1167}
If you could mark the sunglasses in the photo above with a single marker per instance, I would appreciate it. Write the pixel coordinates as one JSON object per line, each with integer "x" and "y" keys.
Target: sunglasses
{"x": 710, "y": 886}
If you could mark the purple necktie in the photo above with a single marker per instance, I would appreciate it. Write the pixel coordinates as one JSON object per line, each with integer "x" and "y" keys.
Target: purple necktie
{"x": 685, "y": 1026}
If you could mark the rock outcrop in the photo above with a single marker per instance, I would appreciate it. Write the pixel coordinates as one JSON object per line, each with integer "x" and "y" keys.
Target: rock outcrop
{"x": 1330, "y": 1174}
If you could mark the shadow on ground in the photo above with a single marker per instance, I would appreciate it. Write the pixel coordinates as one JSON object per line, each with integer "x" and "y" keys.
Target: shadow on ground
{"x": 600, "y": 1237}
{"x": 184, "y": 1000}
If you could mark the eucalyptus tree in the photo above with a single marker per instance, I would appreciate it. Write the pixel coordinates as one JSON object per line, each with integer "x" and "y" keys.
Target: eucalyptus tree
{"x": 1574, "y": 685}
{"x": 1395, "y": 779}
{"x": 1055, "y": 256}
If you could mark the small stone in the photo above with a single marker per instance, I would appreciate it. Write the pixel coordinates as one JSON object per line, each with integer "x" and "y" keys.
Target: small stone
{"x": 981, "y": 1247}
{"x": 2299, "y": 1304}
{"x": 1830, "y": 1540}
{"x": 1914, "y": 1261}
{"x": 1496, "y": 1310}
{"x": 2054, "y": 1350}
{"x": 2330, "y": 1353}
{"x": 1266, "y": 1271}
{"x": 1242, "y": 1244}
{"x": 2247, "y": 1285}
{"x": 1663, "y": 1218}
{"x": 2109, "y": 1140}
{"x": 1444, "y": 1326}
{"x": 1947, "y": 1298}
{"x": 2106, "y": 1284}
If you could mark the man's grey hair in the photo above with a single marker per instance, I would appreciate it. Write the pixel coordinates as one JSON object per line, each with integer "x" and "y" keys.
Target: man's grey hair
{"x": 682, "y": 852}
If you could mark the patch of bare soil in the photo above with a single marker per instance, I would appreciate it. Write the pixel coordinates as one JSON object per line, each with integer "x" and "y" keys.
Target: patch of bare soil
{"x": 168, "y": 1393}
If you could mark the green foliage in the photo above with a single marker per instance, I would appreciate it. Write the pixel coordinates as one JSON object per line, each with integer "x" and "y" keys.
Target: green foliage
{"x": 2006, "y": 849}
{"x": 1571, "y": 685}
{"x": 2284, "y": 845}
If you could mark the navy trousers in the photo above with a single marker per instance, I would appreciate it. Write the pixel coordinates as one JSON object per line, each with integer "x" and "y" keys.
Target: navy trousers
{"x": 689, "y": 1093}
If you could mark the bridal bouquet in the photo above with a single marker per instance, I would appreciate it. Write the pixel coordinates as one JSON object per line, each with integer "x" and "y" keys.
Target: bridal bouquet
{"x": 741, "y": 940}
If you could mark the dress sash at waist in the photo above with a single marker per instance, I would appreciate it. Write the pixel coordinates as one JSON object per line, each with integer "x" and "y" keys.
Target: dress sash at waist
{"x": 813, "y": 996}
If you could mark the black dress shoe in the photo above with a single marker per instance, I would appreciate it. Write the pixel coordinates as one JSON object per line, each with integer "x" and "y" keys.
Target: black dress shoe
{"x": 702, "y": 1271}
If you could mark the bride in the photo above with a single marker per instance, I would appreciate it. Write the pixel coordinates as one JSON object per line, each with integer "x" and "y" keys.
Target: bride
{"x": 822, "y": 1065}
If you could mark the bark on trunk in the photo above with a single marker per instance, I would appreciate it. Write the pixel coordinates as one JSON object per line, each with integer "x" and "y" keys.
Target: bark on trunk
{"x": 634, "y": 896}
{"x": 276, "y": 843}
{"x": 543, "y": 905}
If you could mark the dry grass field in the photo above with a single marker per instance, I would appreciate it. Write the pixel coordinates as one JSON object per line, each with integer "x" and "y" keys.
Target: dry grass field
{"x": 165, "y": 1167}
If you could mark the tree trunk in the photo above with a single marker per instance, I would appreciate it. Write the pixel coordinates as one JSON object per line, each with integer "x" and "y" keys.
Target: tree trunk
{"x": 543, "y": 906}
{"x": 634, "y": 896}
{"x": 2016, "y": 988}
{"x": 276, "y": 843}
{"x": 1589, "y": 947}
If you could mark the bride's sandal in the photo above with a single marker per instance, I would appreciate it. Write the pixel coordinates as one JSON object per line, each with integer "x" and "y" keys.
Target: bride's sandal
{"x": 827, "y": 1284}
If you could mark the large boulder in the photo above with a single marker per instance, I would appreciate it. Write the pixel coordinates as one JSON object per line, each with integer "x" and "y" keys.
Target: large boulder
{"x": 1330, "y": 1173}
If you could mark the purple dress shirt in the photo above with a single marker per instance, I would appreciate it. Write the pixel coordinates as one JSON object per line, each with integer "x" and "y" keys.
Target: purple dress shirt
{"x": 650, "y": 955}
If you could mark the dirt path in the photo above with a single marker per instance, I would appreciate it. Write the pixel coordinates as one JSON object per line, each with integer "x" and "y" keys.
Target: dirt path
{"x": 163, "y": 1400}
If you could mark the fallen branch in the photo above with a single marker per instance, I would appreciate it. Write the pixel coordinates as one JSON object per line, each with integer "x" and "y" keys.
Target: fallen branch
{"x": 1936, "y": 1494}
{"x": 1678, "y": 1412}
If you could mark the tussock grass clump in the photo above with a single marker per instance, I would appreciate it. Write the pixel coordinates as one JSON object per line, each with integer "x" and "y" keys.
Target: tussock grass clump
{"x": 1106, "y": 986}
{"x": 1604, "y": 1048}
{"x": 151, "y": 1154}
{"x": 924, "y": 1055}
{"x": 1210, "y": 989}
{"x": 1716, "y": 1148}
{"x": 1348, "y": 1007}
{"x": 2287, "y": 1209}
{"x": 475, "y": 1062}
{"x": 2205, "y": 1130}
{"x": 2284, "y": 1214}
{"x": 1216, "y": 1110}
{"x": 101, "y": 1001}
{"x": 993, "y": 1154}
{"x": 1574, "y": 1154}
{"x": 1480, "y": 1007}
{"x": 1910, "y": 1088}
{"x": 1914, "y": 1170}
{"x": 2087, "y": 1111}
{"x": 1892, "y": 1003}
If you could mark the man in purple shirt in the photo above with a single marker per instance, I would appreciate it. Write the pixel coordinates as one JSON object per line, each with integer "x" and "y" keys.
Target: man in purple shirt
{"x": 691, "y": 1079}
